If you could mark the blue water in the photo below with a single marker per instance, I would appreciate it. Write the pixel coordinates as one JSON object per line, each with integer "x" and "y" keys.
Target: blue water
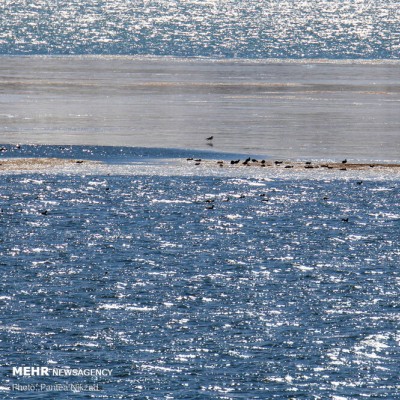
{"x": 287, "y": 288}
{"x": 339, "y": 29}
{"x": 200, "y": 283}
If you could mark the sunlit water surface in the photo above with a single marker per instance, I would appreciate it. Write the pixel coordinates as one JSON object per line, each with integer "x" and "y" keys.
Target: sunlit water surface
{"x": 288, "y": 287}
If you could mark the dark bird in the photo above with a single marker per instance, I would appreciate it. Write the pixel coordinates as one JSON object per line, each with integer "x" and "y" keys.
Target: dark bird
{"x": 308, "y": 162}
{"x": 344, "y": 161}
{"x": 345, "y": 219}
{"x": 44, "y": 212}
{"x": 210, "y": 138}
{"x": 246, "y": 161}
{"x": 278, "y": 162}
{"x": 198, "y": 159}
{"x": 359, "y": 182}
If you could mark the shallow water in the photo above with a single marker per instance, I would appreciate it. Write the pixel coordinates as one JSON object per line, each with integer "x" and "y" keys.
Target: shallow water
{"x": 306, "y": 109}
{"x": 270, "y": 294}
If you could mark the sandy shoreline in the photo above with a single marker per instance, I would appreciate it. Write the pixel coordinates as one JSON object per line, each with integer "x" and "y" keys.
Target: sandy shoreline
{"x": 48, "y": 164}
{"x": 28, "y": 164}
{"x": 296, "y": 165}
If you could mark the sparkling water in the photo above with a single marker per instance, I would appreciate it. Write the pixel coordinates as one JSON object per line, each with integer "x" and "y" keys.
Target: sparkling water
{"x": 200, "y": 284}
{"x": 214, "y": 28}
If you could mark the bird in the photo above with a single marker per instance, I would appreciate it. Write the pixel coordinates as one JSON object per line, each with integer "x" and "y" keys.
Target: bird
{"x": 344, "y": 161}
{"x": 246, "y": 161}
{"x": 210, "y": 138}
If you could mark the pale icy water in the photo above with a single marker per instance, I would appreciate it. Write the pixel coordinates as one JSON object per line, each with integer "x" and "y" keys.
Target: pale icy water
{"x": 304, "y": 109}
{"x": 288, "y": 288}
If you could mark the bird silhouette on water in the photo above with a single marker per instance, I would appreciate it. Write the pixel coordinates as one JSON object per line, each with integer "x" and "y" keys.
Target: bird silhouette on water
{"x": 210, "y": 138}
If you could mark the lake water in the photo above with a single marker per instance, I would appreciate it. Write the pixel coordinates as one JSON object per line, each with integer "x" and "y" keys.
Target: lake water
{"x": 288, "y": 109}
{"x": 334, "y": 29}
{"x": 199, "y": 283}
{"x": 286, "y": 288}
